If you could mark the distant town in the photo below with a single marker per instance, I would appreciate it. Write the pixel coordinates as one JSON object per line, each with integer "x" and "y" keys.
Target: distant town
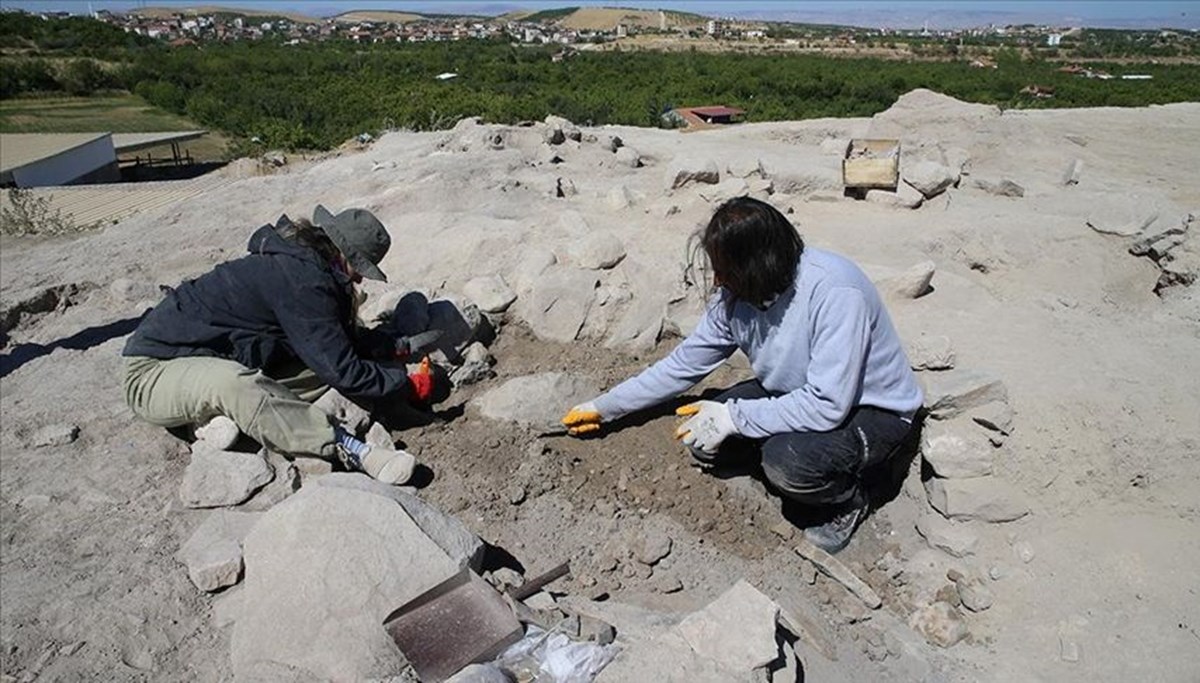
{"x": 645, "y": 29}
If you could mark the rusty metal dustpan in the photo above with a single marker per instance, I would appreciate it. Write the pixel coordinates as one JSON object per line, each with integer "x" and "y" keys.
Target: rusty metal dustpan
{"x": 458, "y": 622}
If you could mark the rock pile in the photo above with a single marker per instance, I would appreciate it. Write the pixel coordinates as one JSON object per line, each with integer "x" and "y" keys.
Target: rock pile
{"x": 355, "y": 550}
{"x": 969, "y": 419}
{"x": 742, "y": 635}
{"x": 1175, "y": 248}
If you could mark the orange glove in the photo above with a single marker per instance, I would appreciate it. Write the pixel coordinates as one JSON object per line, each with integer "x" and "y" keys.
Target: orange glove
{"x": 582, "y": 419}
{"x": 421, "y": 382}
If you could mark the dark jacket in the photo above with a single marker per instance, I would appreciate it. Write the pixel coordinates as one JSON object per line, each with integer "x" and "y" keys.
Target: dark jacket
{"x": 280, "y": 303}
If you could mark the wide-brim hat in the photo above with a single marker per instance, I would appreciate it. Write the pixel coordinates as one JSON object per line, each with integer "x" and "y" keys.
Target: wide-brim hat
{"x": 359, "y": 235}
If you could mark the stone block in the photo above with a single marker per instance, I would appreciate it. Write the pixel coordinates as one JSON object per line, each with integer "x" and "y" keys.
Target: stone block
{"x": 213, "y": 553}
{"x": 912, "y": 283}
{"x": 490, "y": 293}
{"x": 323, "y": 570}
{"x": 987, "y": 499}
{"x": 688, "y": 171}
{"x": 537, "y": 401}
{"x": 463, "y": 548}
{"x": 595, "y": 251}
{"x": 948, "y": 394}
{"x": 904, "y": 196}
{"x": 627, "y": 156}
{"x": 220, "y": 478}
{"x": 956, "y": 539}
{"x": 996, "y": 416}
{"x": 956, "y": 449}
{"x": 558, "y": 303}
{"x": 59, "y": 434}
{"x": 737, "y": 630}
{"x": 928, "y": 177}
{"x": 933, "y": 352}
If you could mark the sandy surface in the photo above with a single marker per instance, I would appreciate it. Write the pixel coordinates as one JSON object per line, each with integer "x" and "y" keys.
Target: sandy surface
{"x": 1101, "y": 373}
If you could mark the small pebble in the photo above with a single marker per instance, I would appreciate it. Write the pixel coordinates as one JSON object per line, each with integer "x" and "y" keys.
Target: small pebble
{"x": 516, "y": 495}
{"x": 1068, "y": 649}
{"x": 1024, "y": 551}
{"x": 668, "y": 584}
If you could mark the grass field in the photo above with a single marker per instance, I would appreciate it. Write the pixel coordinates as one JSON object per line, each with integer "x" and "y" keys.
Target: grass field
{"x": 116, "y": 113}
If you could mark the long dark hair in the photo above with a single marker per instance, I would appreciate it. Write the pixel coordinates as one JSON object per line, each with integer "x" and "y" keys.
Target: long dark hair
{"x": 302, "y": 231}
{"x": 753, "y": 249}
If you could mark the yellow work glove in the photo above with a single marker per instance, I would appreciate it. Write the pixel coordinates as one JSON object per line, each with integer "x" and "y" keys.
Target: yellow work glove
{"x": 582, "y": 419}
{"x": 707, "y": 427}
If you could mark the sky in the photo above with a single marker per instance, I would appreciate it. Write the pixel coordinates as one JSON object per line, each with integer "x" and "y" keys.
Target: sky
{"x": 939, "y": 14}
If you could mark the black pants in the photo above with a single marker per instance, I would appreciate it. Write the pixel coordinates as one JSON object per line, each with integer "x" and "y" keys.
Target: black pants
{"x": 815, "y": 468}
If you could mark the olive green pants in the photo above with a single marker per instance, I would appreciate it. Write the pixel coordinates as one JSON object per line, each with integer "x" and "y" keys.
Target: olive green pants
{"x": 275, "y": 411}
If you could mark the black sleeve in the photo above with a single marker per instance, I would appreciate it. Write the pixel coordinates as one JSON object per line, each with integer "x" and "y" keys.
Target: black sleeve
{"x": 374, "y": 344}
{"x": 310, "y": 318}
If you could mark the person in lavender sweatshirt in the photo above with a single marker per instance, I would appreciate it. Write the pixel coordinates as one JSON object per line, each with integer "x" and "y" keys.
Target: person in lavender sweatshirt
{"x": 833, "y": 394}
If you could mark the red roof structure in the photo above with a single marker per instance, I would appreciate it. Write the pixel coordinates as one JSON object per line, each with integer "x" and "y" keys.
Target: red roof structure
{"x": 715, "y": 112}
{"x": 696, "y": 117}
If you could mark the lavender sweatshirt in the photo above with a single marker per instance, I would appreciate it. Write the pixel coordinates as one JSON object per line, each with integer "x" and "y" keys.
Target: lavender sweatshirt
{"x": 825, "y": 346}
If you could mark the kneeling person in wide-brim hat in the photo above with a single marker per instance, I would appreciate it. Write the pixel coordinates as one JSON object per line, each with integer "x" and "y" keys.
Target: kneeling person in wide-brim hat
{"x": 258, "y": 339}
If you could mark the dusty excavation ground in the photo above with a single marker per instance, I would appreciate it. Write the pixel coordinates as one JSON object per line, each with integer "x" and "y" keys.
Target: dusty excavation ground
{"x": 1063, "y": 260}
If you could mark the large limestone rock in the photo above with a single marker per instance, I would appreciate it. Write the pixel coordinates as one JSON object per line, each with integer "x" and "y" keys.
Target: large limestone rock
{"x": 285, "y": 483}
{"x": 956, "y": 539}
{"x": 620, "y": 198}
{"x": 461, "y": 324}
{"x": 323, "y": 570}
{"x": 1001, "y": 188}
{"x": 737, "y": 629}
{"x": 928, "y": 177}
{"x": 922, "y": 108}
{"x": 627, "y": 156}
{"x": 686, "y": 171}
{"x": 534, "y": 262}
{"x": 948, "y": 394}
{"x": 734, "y": 638}
{"x": 537, "y": 401}
{"x": 558, "y": 303}
{"x": 956, "y": 449}
{"x": 476, "y": 367}
{"x": 464, "y": 548}
{"x": 725, "y": 190}
{"x": 219, "y": 478}
{"x": 931, "y": 352}
{"x": 59, "y": 434}
{"x": 596, "y": 251}
{"x": 904, "y": 196}
{"x": 559, "y": 130}
{"x": 988, "y": 499}
{"x": 213, "y": 553}
{"x": 636, "y": 323}
{"x": 490, "y": 293}
{"x": 803, "y": 176}
{"x": 912, "y": 283}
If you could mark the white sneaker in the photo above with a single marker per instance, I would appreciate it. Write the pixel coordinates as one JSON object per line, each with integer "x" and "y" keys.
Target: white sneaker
{"x": 389, "y": 466}
{"x": 220, "y": 433}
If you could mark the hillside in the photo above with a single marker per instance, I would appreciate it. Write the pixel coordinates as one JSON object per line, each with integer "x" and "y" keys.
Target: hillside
{"x": 598, "y": 18}
{"x": 1040, "y": 267}
{"x": 381, "y": 16}
{"x": 162, "y": 12}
